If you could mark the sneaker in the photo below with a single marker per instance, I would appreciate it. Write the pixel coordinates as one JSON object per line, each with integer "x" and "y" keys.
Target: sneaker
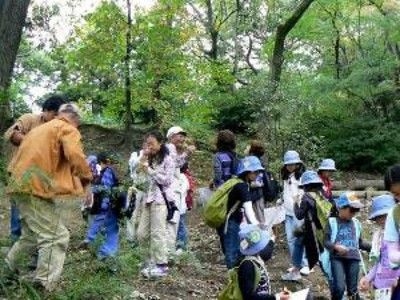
{"x": 305, "y": 271}
{"x": 291, "y": 276}
{"x": 179, "y": 251}
{"x": 156, "y": 271}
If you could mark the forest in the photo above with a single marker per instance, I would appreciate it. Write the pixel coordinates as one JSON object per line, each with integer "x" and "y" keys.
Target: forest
{"x": 321, "y": 77}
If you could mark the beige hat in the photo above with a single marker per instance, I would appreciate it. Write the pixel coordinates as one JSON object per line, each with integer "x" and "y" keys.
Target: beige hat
{"x": 70, "y": 108}
{"x": 175, "y": 130}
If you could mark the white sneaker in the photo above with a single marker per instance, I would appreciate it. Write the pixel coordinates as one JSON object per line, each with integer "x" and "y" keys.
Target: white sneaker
{"x": 179, "y": 252}
{"x": 155, "y": 271}
{"x": 291, "y": 276}
{"x": 305, "y": 271}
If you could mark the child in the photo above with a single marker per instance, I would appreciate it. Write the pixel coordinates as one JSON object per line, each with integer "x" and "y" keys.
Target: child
{"x": 238, "y": 198}
{"x": 256, "y": 247}
{"x": 263, "y": 188}
{"x": 307, "y": 208}
{"x": 104, "y": 215}
{"x": 343, "y": 241}
{"x": 325, "y": 170}
{"x": 392, "y": 233}
{"x": 291, "y": 172}
{"x": 381, "y": 276}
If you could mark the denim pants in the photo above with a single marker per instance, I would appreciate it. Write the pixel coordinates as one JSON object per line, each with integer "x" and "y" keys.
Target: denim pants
{"x": 182, "y": 236}
{"x": 295, "y": 244}
{"x": 15, "y": 222}
{"x": 109, "y": 221}
{"x": 230, "y": 243}
{"x": 345, "y": 277}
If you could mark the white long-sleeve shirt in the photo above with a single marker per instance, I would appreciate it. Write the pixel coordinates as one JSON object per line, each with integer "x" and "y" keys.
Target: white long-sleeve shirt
{"x": 291, "y": 194}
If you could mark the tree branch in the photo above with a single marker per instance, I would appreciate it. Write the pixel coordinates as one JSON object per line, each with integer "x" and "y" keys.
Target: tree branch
{"x": 281, "y": 33}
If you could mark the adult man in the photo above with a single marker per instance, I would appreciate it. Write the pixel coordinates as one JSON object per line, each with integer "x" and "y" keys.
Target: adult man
{"x": 16, "y": 133}
{"x": 49, "y": 168}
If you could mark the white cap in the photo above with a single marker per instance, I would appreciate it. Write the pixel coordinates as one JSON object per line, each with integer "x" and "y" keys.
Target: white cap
{"x": 69, "y": 108}
{"x": 175, "y": 130}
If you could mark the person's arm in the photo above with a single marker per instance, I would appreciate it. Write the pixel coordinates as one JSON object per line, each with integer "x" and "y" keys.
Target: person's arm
{"x": 73, "y": 152}
{"x": 246, "y": 278}
{"x": 249, "y": 211}
{"x": 16, "y": 133}
{"x": 372, "y": 273}
{"x": 301, "y": 208}
{"x": 391, "y": 236}
{"x": 327, "y": 238}
{"x": 394, "y": 253}
{"x": 243, "y": 193}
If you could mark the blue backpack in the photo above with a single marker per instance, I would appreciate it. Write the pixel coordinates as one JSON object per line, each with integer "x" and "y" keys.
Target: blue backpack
{"x": 229, "y": 163}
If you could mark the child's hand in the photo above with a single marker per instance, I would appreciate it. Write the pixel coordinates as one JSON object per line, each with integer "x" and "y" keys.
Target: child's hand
{"x": 364, "y": 284}
{"x": 285, "y": 294}
{"x": 340, "y": 249}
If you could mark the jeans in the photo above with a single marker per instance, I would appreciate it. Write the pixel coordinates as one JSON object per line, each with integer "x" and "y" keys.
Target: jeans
{"x": 298, "y": 253}
{"x": 230, "y": 243}
{"x": 182, "y": 236}
{"x": 109, "y": 221}
{"x": 295, "y": 244}
{"x": 345, "y": 276}
{"x": 15, "y": 222}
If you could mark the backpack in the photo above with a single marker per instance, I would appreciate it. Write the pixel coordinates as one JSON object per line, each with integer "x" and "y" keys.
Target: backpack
{"x": 229, "y": 164}
{"x": 118, "y": 197}
{"x": 232, "y": 290}
{"x": 324, "y": 208}
{"x": 216, "y": 208}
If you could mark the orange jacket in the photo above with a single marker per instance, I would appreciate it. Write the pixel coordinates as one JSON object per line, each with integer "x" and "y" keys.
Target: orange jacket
{"x": 50, "y": 162}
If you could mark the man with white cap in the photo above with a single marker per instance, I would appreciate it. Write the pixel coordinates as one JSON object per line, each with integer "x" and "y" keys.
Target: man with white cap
{"x": 180, "y": 152}
{"x": 49, "y": 168}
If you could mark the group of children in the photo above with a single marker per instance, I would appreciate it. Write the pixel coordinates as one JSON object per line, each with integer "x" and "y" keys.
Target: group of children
{"x": 320, "y": 229}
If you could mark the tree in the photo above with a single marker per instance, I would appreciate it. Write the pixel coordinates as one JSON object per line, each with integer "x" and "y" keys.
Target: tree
{"x": 12, "y": 20}
{"x": 282, "y": 31}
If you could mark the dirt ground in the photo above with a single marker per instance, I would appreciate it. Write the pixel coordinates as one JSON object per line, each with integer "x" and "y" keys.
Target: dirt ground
{"x": 199, "y": 274}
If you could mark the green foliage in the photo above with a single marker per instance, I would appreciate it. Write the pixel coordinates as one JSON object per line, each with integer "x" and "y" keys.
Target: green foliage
{"x": 364, "y": 143}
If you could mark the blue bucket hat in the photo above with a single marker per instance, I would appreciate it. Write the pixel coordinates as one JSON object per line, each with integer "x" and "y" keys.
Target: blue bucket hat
{"x": 310, "y": 177}
{"x": 249, "y": 164}
{"x": 327, "y": 164}
{"x": 349, "y": 199}
{"x": 381, "y": 206}
{"x": 291, "y": 157}
{"x": 252, "y": 239}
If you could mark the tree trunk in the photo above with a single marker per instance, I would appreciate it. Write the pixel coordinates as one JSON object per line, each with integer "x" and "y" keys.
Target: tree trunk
{"x": 282, "y": 31}
{"x": 12, "y": 20}
{"x": 128, "y": 95}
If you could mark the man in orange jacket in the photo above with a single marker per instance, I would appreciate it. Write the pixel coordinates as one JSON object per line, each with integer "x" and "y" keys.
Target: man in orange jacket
{"x": 16, "y": 133}
{"x": 48, "y": 170}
